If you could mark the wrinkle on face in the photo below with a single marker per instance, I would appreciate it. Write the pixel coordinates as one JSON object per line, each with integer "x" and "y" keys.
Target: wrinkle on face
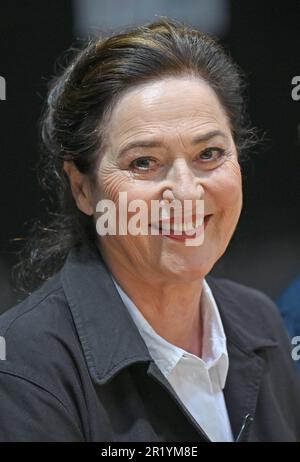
{"x": 174, "y": 111}
{"x": 143, "y": 114}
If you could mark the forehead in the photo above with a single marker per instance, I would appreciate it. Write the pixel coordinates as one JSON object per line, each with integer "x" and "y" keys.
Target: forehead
{"x": 181, "y": 104}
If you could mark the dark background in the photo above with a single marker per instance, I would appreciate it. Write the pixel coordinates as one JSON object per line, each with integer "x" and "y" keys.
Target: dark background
{"x": 264, "y": 39}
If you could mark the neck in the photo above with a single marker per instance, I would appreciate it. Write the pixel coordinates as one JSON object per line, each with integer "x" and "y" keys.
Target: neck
{"x": 172, "y": 308}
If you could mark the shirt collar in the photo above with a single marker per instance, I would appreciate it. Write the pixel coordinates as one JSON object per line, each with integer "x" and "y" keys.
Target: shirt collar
{"x": 167, "y": 355}
{"x": 108, "y": 335}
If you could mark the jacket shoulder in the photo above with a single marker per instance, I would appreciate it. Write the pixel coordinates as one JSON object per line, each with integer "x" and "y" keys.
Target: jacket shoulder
{"x": 31, "y": 306}
{"x": 43, "y": 360}
{"x": 238, "y": 291}
{"x": 43, "y": 317}
{"x": 40, "y": 337}
{"x": 248, "y": 305}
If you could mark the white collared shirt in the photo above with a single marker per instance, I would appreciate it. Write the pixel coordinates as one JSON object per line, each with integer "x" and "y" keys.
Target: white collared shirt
{"x": 198, "y": 382}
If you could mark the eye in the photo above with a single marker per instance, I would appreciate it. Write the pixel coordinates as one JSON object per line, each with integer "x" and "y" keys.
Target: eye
{"x": 211, "y": 155}
{"x": 143, "y": 164}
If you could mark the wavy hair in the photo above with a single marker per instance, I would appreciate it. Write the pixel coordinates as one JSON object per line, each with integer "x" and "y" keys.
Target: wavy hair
{"x": 79, "y": 101}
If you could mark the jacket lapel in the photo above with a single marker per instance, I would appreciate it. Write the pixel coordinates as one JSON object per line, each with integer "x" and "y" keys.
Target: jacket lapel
{"x": 108, "y": 335}
{"x": 242, "y": 386}
{"x": 246, "y": 350}
{"x": 111, "y": 341}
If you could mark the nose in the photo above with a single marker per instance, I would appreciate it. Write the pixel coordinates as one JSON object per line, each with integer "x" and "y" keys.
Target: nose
{"x": 183, "y": 183}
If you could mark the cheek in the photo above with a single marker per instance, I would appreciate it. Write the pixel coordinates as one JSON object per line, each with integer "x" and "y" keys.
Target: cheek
{"x": 228, "y": 189}
{"x": 111, "y": 181}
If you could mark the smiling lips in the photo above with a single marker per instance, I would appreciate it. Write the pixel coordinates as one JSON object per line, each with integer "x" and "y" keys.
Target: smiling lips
{"x": 190, "y": 229}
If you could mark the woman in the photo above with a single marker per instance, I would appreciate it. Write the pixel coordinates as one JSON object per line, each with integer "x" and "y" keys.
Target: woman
{"x": 128, "y": 338}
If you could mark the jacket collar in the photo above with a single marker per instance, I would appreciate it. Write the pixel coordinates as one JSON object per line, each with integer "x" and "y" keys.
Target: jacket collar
{"x": 110, "y": 338}
{"x": 249, "y": 344}
{"x": 107, "y": 333}
{"x": 248, "y": 333}
{"x": 167, "y": 355}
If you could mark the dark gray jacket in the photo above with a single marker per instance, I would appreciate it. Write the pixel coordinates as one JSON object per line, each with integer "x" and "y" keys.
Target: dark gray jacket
{"x": 77, "y": 368}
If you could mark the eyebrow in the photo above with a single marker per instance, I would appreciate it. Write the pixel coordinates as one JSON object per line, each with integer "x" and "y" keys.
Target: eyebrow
{"x": 157, "y": 143}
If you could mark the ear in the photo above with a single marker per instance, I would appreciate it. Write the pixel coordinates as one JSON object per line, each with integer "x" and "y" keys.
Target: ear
{"x": 80, "y": 187}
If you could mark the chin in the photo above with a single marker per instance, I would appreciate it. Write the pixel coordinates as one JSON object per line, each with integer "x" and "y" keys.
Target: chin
{"x": 188, "y": 272}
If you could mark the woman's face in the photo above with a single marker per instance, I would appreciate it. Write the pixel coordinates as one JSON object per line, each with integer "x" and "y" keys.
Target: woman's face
{"x": 170, "y": 139}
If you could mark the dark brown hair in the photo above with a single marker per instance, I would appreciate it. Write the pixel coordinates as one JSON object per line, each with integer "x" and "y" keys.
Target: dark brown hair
{"x": 74, "y": 118}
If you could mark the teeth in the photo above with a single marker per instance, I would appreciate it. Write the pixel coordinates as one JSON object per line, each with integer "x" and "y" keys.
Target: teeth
{"x": 182, "y": 227}
{"x": 177, "y": 227}
{"x": 188, "y": 226}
